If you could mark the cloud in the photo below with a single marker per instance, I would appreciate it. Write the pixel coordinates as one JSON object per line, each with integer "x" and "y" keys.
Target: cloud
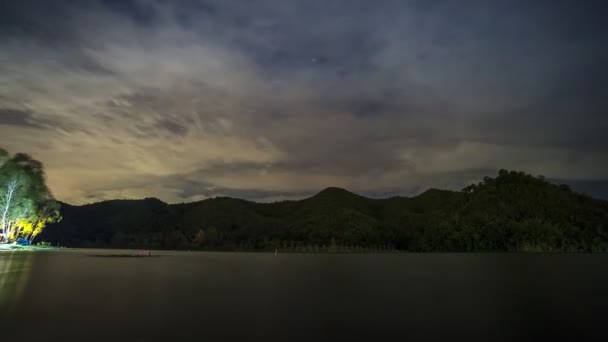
{"x": 19, "y": 118}
{"x": 185, "y": 100}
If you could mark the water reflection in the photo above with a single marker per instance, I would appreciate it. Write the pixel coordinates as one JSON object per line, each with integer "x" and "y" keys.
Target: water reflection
{"x": 293, "y": 297}
{"x": 15, "y": 268}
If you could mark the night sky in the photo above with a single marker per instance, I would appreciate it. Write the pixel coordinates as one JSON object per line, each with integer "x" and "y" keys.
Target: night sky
{"x": 269, "y": 100}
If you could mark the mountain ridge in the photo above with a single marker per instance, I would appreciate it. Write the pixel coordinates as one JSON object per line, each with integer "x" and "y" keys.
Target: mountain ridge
{"x": 331, "y": 190}
{"x": 512, "y": 212}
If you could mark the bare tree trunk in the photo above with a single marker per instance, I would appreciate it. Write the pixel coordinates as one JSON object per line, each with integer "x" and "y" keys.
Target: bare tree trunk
{"x": 30, "y": 237}
{"x": 8, "y": 229}
{"x": 8, "y": 197}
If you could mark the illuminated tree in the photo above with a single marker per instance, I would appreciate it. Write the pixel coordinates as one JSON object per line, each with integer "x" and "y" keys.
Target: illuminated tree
{"x": 8, "y": 205}
{"x": 30, "y": 226}
{"x": 26, "y": 204}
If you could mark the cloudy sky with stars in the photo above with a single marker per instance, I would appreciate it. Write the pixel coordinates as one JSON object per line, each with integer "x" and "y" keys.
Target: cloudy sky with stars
{"x": 269, "y": 100}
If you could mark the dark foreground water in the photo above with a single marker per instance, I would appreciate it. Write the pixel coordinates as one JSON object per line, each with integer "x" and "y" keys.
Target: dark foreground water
{"x": 179, "y": 296}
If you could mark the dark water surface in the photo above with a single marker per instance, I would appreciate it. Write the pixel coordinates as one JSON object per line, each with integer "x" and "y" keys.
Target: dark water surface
{"x": 179, "y": 296}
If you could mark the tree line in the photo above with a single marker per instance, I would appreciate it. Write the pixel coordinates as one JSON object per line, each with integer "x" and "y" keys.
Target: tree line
{"x": 513, "y": 211}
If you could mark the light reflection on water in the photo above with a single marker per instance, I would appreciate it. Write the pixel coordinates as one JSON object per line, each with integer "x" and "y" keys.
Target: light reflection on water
{"x": 180, "y": 296}
{"x": 15, "y": 268}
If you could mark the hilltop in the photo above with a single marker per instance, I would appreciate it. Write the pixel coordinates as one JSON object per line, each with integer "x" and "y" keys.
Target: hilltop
{"x": 512, "y": 212}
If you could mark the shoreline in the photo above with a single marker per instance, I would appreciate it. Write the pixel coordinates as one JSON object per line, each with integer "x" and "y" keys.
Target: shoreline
{"x": 12, "y": 247}
{"x": 9, "y": 247}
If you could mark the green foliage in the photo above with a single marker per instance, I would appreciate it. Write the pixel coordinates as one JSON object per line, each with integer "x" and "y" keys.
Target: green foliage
{"x": 26, "y": 203}
{"x": 512, "y": 212}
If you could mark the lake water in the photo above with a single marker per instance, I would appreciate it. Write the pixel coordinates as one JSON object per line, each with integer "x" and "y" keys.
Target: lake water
{"x": 76, "y": 295}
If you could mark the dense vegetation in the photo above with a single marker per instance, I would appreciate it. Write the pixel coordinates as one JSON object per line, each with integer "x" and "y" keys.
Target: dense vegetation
{"x": 512, "y": 212}
{"x": 26, "y": 203}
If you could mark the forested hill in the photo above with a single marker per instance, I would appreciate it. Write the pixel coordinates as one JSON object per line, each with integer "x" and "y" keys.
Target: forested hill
{"x": 512, "y": 212}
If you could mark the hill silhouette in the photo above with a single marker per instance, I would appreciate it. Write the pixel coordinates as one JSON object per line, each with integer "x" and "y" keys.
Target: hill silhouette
{"x": 512, "y": 212}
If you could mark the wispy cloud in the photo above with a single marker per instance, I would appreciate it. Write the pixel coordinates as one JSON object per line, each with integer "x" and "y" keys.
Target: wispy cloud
{"x": 184, "y": 100}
